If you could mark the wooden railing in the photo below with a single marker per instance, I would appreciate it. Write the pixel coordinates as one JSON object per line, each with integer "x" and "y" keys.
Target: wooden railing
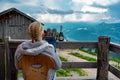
{"x": 7, "y": 50}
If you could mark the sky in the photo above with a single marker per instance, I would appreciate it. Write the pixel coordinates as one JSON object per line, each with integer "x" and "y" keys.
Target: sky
{"x": 58, "y": 11}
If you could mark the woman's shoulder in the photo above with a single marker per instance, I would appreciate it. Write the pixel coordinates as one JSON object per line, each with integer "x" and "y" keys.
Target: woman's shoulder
{"x": 25, "y": 42}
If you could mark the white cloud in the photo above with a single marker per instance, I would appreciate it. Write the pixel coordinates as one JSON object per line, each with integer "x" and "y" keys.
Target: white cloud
{"x": 94, "y": 17}
{"x": 70, "y": 17}
{"x": 87, "y": 17}
{"x": 106, "y": 2}
{"x": 75, "y": 5}
{"x": 20, "y": 4}
{"x": 56, "y": 18}
{"x": 49, "y": 18}
{"x": 99, "y": 2}
{"x": 113, "y": 20}
{"x": 85, "y": 2}
{"x": 5, "y": 6}
{"x": 93, "y": 9}
{"x": 29, "y": 2}
{"x": 78, "y": 4}
{"x": 52, "y": 4}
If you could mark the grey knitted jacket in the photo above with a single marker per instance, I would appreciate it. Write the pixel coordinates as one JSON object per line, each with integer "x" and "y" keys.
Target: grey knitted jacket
{"x": 29, "y": 48}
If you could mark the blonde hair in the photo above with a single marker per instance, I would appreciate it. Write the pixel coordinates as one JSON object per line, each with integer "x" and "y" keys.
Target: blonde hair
{"x": 35, "y": 31}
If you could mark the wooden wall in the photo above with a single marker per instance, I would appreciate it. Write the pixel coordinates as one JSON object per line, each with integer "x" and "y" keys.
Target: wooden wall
{"x": 15, "y": 26}
{"x": 1, "y": 30}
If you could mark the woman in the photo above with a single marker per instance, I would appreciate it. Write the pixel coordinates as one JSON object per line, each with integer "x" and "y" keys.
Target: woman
{"x": 37, "y": 46}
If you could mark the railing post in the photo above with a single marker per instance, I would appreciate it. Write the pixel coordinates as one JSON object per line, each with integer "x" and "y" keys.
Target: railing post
{"x": 8, "y": 68}
{"x": 11, "y": 73}
{"x": 103, "y": 58}
{"x": 2, "y": 61}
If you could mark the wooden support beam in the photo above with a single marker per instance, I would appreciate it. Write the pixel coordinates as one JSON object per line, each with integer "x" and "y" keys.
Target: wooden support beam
{"x": 2, "y": 62}
{"x": 115, "y": 48}
{"x": 79, "y": 65}
{"x": 103, "y": 58}
{"x": 8, "y": 67}
{"x": 62, "y": 45}
{"x": 115, "y": 71}
{"x": 11, "y": 72}
{"x": 76, "y": 45}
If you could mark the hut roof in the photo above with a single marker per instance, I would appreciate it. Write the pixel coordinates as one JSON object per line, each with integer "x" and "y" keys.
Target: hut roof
{"x": 17, "y": 11}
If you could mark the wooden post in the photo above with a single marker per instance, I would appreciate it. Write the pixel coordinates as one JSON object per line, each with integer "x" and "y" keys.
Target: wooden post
{"x": 8, "y": 68}
{"x": 14, "y": 71}
{"x": 2, "y": 61}
{"x": 103, "y": 58}
{"x": 11, "y": 73}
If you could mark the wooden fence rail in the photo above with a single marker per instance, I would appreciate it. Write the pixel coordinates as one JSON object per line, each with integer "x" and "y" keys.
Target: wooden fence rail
{"x": 79, "y": 65}
{"x": 103, "y": 45}
{"x": 115, "y": 48}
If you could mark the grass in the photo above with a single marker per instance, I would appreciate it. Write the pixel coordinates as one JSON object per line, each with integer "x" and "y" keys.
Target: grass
{"x": 115, "y": 65}
{"x": 79, "y": 71}
{"x": 110, "y": 58}
{"x": 20, "y": 74}
{"x": 63, "y": 59}
{"x": 63, "y": 72}
{"x": 115, "y": 59}
{"x": 67, "y": 72}
{"x": 87, "y": 51}
{"x": 95, "y": 54}
{"x": 82, "y": 56}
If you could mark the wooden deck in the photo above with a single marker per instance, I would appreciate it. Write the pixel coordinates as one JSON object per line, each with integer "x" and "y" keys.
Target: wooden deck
{"x": 9, "y": 72}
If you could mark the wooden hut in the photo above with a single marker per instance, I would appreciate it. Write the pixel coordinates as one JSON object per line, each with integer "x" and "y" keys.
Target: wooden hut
{"x": 14, "y": 24}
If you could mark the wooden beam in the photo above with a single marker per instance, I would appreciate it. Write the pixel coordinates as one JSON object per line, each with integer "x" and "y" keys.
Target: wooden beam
{"x": 8, "y": 67}
{"x": 77, "y": 78}
{"x": 79, "y": 65}
{"x": 62, "y": 45}
{"x": 2, "y": 62}
{"x": 11, "y": 72}
{"x": 7, "y": 16}
{"x": 103, "y": 58}
{"x": 75, "y": 45}
{"x": 115, "y": 48}
{"x": 65, "y": 45}
{"x": 115, "y": 71}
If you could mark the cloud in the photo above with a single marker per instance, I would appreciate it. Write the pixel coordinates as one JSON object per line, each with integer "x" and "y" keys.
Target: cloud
{"x": 49, "y": 18}
{"x": 53, "y": 18}
{"x": 29, "y": 2}
{"x": 93, "y": 9}
{"x": 6, "y": 5}
{"x": 65, "y": 10}
{"x": 61, "y": 12}
{"x": 94, "y": 17}
{"x": 99, "y": 2}
{"x": 86, "y": 17}
{"x": 106, "y": 2}
{"x": 51, "y": 4}
{"x": 58, "y": 4}
{"x": 85, "y": 2}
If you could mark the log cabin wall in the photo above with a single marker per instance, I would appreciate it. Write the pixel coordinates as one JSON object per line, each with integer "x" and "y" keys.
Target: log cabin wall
{"x": 14, "y": 24}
